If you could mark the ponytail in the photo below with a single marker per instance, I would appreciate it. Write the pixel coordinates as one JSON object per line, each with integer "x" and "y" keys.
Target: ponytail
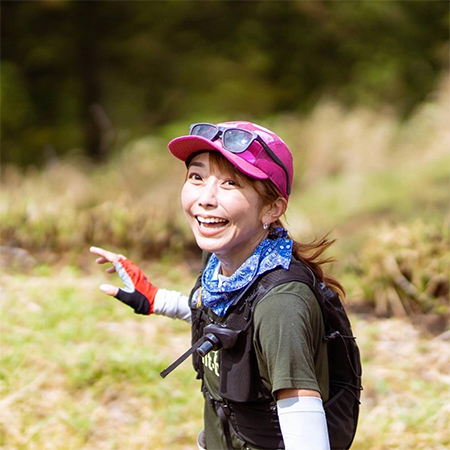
{"x": 310, "y": 255}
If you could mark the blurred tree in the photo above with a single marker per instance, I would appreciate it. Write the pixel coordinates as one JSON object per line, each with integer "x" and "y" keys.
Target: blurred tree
{"x": 75, "y": 73}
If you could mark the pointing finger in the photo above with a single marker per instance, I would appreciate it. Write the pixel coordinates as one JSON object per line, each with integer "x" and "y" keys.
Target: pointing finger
{"x": 105, "y": 255}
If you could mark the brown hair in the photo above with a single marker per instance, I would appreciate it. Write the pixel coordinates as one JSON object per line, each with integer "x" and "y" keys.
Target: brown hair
{"x": 309, "y": 254}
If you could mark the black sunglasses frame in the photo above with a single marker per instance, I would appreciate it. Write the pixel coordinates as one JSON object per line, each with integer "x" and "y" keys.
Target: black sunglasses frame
{"x": 220, "y": 131}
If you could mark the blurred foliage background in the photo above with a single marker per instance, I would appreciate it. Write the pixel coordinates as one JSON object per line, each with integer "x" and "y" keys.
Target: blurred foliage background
{"x": 93, "y": 75}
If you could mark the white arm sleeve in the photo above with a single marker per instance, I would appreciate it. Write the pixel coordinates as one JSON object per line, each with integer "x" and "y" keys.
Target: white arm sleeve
{"x": 172, "y": 304}
{"x": 303, "y": 423}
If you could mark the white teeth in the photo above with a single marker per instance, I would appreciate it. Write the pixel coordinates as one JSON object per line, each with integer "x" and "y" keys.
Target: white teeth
{"x": 210, "y": 220}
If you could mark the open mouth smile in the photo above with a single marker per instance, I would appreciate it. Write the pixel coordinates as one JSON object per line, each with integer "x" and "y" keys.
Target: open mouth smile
{"x": 211, "y": 222}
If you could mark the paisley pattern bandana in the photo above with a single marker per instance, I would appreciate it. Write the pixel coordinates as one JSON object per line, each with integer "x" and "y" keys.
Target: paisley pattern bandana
{"x": 274, "y": 251}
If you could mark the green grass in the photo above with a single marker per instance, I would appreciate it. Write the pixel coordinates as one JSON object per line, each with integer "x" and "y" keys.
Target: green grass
{"x": 79, "y": 370}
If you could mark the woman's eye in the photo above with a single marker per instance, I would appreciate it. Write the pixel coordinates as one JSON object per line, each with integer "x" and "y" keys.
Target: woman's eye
{"x": 231, "y": 183}
{"x": 195, "y": 176}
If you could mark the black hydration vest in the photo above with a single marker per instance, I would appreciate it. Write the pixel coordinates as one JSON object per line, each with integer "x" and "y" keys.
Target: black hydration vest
{"x": 248, "y": 408}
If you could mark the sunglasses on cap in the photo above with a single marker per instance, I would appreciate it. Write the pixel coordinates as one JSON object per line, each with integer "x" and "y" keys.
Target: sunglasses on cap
{"x": 236, "y": 140}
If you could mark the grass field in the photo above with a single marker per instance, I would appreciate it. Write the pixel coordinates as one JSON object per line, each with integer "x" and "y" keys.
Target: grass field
{"x": 80, "y": 371}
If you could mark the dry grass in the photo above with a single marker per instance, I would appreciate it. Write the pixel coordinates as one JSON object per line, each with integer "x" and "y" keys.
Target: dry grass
{"x": 68, "y": 204}
{"x": 350, "y": 164}
{"x": 404, "y": 271}
{"x": 406, "y": 378}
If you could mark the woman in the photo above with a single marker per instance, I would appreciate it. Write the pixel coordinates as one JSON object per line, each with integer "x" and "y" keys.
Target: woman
{"x": 238, "y": 181}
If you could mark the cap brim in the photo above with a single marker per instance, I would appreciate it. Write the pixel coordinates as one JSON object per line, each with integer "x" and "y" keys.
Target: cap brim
{"x": 184, "y": 146}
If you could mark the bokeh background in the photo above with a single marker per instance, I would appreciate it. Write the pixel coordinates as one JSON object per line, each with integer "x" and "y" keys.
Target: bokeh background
{"x": 92, "y": 91}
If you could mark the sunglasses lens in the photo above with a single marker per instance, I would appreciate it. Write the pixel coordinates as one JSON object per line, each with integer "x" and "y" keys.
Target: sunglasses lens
{"x": 237, "y": 141}
{"x": 205, "y": 130}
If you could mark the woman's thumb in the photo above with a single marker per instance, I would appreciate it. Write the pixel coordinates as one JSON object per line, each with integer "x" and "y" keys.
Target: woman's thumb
{"x": 109, "y": 290}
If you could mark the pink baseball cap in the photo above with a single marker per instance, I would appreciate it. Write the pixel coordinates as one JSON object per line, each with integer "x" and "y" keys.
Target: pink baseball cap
{"x": 266, "y": 157}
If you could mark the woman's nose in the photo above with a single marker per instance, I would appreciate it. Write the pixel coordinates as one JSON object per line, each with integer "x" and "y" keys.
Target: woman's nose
{"x": 208, "y": 195}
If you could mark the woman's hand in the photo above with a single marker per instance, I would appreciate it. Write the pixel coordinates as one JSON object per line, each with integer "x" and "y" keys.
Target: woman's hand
{"x": 138, "y": 293}
{"x": 104, "y": 257}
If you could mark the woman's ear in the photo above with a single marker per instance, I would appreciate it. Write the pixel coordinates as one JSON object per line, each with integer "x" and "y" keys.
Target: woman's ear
{"x": 274, "y": 211}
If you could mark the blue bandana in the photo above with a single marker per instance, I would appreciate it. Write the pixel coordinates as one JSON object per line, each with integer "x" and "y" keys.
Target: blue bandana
{"x": 274, "y": 251}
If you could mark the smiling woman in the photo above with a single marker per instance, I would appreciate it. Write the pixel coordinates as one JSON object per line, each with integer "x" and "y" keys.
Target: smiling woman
{"x": 264, "y": 383}
{"x": 225, "y": 212}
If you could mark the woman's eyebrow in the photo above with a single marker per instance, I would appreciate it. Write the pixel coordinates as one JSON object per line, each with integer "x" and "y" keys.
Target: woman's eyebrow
{"x": 196, "y": 164}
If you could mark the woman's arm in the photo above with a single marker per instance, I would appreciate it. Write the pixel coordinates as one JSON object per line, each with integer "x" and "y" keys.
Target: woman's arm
{"x": 138, "y": 292}
{"x": 292, "y": 358}
{"x": 302, "y": 420}
{"x": 172, "y": 304}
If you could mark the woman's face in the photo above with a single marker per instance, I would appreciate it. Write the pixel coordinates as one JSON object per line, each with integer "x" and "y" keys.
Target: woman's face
{"x": 226, "y": 214}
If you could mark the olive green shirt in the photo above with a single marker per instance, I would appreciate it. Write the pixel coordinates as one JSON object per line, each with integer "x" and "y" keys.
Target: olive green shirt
{"x": 291, "y": 353}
